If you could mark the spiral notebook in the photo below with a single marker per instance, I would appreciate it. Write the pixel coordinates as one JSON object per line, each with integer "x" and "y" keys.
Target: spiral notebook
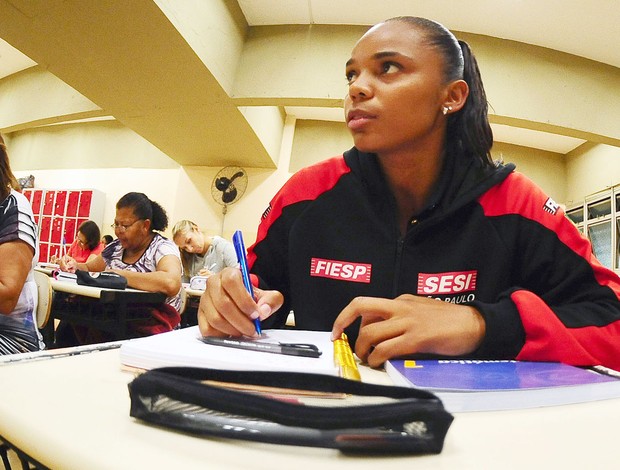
{"x": 185, "y": 347}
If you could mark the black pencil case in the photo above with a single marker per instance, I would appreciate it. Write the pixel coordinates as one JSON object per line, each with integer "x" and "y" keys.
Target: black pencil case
{"x": 104, "y": 279}
{"x": 369, "y": 419}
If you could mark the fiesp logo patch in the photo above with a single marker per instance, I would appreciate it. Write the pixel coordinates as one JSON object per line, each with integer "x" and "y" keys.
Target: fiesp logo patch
{"x": 340, "y": 270}
{"x": 446, "y": 283}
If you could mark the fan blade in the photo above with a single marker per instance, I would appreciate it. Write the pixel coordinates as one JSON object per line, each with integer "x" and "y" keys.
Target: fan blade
{"x": 222, "y": 183}
{"x": 239, "y": 174}
{"x": 229, "y": 195}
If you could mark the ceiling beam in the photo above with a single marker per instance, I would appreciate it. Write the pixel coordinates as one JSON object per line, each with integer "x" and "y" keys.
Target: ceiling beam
{"x": 130, "y": 60}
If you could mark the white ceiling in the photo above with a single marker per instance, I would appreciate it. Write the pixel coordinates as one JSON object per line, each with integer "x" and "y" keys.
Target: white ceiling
{"x": 582, "y": 27}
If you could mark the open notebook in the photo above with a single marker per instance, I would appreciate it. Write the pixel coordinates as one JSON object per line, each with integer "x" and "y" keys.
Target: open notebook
{"x": 185, "y": 348}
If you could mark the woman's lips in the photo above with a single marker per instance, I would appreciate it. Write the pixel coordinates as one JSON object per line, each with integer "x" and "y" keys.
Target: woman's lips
{"x": 357, "y": 119}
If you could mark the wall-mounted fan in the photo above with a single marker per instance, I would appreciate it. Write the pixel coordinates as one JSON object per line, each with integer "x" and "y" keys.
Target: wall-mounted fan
{"x": 228, "y": 186}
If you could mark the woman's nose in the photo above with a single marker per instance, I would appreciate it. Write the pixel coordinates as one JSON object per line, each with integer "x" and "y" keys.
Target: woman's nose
{"x": 360, "y": 88}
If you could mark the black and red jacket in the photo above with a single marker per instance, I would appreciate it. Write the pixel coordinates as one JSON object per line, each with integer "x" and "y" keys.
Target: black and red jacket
{"x": 489, "y": 238}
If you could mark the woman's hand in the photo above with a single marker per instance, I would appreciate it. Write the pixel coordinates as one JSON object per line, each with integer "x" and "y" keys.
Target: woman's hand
{"x": 68, "y": 264}
{"x": 411, "y": 324}
{"x": 226, "y": 307}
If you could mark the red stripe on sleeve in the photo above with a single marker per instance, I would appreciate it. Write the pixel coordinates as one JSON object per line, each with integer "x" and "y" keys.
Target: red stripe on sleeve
{"x": 547, "y": 339}
{"x": 305, "y": 185}
{"x": 517, "y": 194}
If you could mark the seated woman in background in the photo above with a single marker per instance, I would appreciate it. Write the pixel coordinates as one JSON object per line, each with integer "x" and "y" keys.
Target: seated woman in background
{"x": 201, "y": 254}
{"x": 19, "y": 244}
{"x": 148, "y": 261}
{"x": 106, "y": 240}
{"x": 86, "y": 245}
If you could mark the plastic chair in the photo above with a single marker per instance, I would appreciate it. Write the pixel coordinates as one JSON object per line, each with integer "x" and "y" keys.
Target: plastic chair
{"x": 44, "y": 307}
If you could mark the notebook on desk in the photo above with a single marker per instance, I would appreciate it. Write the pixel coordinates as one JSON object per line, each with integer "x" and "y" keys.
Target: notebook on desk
{"x": 185, "y": 347}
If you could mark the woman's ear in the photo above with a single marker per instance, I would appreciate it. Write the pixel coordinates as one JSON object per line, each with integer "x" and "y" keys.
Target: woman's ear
{"x": 456, "y": 95}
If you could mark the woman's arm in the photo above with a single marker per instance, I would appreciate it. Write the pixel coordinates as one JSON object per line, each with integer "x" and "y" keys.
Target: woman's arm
{"x": 93, "y": 265}
{"x": 13, "y": 273}
{"x": 166, "y": 279}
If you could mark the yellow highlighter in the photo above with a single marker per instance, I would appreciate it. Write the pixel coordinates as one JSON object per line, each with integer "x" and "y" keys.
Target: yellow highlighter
{"x": 344, "y": 360}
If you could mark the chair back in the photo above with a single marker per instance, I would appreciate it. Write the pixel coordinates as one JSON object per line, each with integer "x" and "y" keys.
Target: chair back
{"x": 183, "y": 305}
{"x": 44, "y": 287}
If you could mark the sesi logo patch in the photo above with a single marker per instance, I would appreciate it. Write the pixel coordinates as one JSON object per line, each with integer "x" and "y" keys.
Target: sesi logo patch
{"x": 551, "y": 206}
{"x": 447, "y": 283}
{"x": 341, "y": 270}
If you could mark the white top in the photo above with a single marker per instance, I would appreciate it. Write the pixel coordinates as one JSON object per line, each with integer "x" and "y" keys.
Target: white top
{"x": 18, "y": 331}
{"x": 158, "y": 248}
{"x": 220, "y": 255}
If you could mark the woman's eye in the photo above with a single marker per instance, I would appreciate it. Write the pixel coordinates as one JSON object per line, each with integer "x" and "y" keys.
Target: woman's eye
{"x": 389, "y": 67}
{"x": 350, "y": 76}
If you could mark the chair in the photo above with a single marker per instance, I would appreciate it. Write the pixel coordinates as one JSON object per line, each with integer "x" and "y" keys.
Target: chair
{"x": 44, "y": 306}
{"x": 183, "y": 307}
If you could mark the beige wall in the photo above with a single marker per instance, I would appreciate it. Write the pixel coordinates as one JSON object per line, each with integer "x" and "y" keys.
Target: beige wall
{"x": 590, "y": 169}
{"x": 317, "y": 140}
{"x": 546, "y": 169}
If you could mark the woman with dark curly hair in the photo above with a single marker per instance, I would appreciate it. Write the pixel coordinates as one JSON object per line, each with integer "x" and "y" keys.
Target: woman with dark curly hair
{"x": 147, "y": 259}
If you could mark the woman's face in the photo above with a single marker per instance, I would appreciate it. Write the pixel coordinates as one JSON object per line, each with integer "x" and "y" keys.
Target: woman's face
{"x": 191, "y": 242}
{"x": 396, "y": 90}
{"x": 130, "y": 230}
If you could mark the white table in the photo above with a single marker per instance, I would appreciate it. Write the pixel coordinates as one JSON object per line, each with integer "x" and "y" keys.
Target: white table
{"x": 73, "y": 413}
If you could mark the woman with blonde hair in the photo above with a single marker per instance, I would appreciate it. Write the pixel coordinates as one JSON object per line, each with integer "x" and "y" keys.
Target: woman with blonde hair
{"x": 202, "y": 255}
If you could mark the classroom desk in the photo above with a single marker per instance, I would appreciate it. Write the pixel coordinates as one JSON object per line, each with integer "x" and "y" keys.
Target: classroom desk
{"x": 84, "y": 403}
{"x": 193, "y": 292}
{"x": 189, "y": 316}
{"x": 44, "y": 270}
{"x": 115, "y": 310}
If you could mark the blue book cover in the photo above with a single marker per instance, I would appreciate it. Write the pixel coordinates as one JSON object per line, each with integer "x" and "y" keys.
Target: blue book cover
{"x": 474, "y": 385}
{"x": 487, "y": 375}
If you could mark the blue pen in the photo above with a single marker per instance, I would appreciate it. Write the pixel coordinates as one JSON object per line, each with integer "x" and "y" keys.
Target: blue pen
{"x": 245, "y": 273}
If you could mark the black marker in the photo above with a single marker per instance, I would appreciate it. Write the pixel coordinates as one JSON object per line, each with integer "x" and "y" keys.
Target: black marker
{"x": 290, "y": 349}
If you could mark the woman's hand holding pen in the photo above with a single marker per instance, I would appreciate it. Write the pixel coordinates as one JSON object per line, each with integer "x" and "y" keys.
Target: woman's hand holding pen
{"x": 67, "y": 264}
{"x": 226, "y": 307}
{"x": 411, "y": 324}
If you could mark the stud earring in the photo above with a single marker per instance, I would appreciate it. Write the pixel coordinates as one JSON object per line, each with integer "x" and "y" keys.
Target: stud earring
{"x": 445, "y": 109}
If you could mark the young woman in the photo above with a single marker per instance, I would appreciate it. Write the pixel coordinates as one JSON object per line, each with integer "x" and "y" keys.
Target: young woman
{"x": 202, "y": 255}
{"x": 415, "y": 241}
{"x": 145, "y": 258}
{"x": 19, "y": 252}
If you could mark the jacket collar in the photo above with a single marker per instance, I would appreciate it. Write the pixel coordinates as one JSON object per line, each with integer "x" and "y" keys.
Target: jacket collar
{"x": 460, "y": 182}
